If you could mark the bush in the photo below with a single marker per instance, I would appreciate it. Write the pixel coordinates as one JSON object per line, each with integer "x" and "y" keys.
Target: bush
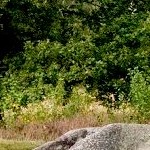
{"x": 140, "y": 93}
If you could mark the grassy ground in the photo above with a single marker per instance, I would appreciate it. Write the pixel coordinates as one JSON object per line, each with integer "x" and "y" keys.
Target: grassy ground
{"x": 17, "y": 145}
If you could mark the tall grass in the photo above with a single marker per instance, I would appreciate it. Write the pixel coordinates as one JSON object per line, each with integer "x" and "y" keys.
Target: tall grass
{"x": 49, "y": 118}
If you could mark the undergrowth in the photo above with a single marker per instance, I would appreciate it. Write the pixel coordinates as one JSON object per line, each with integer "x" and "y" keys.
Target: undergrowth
{"x": 49, "y": 118}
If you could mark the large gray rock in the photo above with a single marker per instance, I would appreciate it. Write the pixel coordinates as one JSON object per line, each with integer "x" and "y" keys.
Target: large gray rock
{"x": 110, "y": 137}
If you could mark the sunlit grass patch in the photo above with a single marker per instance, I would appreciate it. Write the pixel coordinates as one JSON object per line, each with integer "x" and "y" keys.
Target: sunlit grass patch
{"x": 17, "y": 145}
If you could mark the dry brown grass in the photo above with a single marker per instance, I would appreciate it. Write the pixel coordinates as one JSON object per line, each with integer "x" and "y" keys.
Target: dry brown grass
{"x": 97, "y": 115}
{"x": 48, "y": 130}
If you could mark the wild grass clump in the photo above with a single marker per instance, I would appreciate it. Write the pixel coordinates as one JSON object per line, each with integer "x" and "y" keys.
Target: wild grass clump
{"x": 48, "y": 119}
{"x": 50, "y": 109}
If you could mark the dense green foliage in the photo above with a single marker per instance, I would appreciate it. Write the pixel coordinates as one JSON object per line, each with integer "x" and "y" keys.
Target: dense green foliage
{"x": 94, "y": 43}
{"x": 140, "y": 93}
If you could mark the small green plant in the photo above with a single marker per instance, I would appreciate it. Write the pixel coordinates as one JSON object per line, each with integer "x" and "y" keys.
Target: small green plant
{"x": 78, "y": 103}
{"x": 140, "y": 94}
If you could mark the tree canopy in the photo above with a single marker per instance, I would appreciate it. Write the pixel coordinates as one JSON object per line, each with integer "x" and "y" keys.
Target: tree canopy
{"x": 97, "y": 43}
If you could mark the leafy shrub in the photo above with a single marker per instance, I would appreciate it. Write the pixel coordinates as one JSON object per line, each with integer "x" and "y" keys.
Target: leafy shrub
{"x": 140, "y": 93}
{"x": 78, "y": 103}
{"x": 50, "y": 109}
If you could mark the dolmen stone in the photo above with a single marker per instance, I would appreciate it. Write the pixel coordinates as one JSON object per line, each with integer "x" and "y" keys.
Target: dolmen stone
{"x": 116, "y": 136}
